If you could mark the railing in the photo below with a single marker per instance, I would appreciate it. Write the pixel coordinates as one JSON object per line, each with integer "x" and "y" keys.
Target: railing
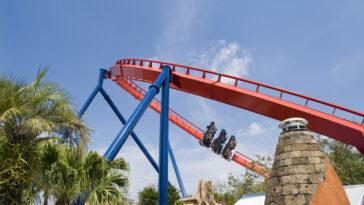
{"x": 235, "y": 81}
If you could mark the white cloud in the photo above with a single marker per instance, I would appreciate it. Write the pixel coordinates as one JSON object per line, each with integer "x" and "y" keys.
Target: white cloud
{"x": 220, "y": 56}
{"x": 254, "y": 129}
{"x": 224, "y": 57}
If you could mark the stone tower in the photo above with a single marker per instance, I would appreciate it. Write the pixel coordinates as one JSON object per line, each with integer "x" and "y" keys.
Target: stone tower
{"x": 301, "y": 173}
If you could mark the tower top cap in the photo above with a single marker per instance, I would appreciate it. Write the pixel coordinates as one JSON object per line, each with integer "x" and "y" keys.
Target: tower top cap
{"x": 293, "y": 123}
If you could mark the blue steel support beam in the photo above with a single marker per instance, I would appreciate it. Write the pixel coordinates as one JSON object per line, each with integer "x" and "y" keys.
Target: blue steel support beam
{"x": 133, "y": 135}
{"x": 163, "y": 142}
{"x": 83, "y": 196}
{"x": 118, "y": 114}
{"x": 119, "y": 141}
{"x": 178, "y": 176}
{"x": 94, "y": 92}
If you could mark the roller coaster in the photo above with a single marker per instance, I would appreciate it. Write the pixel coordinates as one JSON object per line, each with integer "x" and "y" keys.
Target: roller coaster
{"x": 325, "y": 118}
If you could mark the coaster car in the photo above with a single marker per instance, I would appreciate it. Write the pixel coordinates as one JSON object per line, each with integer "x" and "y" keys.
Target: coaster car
{"x": 218, "y": 144}
{"x": 209, "y": 135}
{"x": 229, "y": 149}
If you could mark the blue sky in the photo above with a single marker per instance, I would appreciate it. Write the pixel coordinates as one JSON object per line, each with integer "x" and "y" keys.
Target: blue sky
{"x": 314, "y": 48}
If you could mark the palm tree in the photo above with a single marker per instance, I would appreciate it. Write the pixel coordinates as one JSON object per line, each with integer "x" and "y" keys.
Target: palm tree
{"x": 49, "y": 155}
{"x": 30, "y": 113}
{"x": 105, "y": 181}
{"x": 67, "y": 172}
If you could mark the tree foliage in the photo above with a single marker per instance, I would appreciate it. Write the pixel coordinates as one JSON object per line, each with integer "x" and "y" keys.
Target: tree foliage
{"x": 67, "y": 172}
{"x": 149, "y": 195}
{"x": 30, "y": 113}
{"x": 247, "y": 183}
{"x": 347, "y": 161}
{"x": 38, "y": 128}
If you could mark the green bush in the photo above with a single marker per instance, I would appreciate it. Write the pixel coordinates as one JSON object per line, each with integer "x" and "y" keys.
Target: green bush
{"x": 149, "y": 195}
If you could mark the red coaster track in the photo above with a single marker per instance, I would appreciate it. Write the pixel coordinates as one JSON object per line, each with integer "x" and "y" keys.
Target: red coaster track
{"x": 234, "y": 91}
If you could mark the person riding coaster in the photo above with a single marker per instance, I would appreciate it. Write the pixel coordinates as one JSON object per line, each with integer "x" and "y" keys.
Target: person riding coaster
{"x": 229, "y": 149}
{"x": 218, "y": 144}
{"x": 209, "y": 135}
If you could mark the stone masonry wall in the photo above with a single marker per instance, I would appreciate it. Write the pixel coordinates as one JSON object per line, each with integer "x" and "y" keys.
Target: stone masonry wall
{"x": 298, "y": 168}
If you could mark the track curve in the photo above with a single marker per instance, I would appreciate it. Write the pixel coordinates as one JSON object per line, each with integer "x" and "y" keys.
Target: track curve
{"x": 233, "y": 91}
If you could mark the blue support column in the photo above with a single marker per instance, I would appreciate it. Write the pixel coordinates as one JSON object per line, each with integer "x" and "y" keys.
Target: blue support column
{"x": 178, "y": 176}
{"x": 163, "y": 142}
{"x": 94, "y": 92}
{"x": 119, "y": 141}
{"x": 133, "y": 135}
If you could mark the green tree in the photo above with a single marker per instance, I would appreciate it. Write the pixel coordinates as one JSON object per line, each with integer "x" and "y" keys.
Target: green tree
{"x": 173, "y": 195}
{"x": 347, "y": 161}
{"x": 149, "y": 195}
{"x": 66, "y": 172}
{"x": 224, "y": 195}
{"x": 30, "y": 113}
{"x": 236, "y": 186}
{"x": 105, "y": 180}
